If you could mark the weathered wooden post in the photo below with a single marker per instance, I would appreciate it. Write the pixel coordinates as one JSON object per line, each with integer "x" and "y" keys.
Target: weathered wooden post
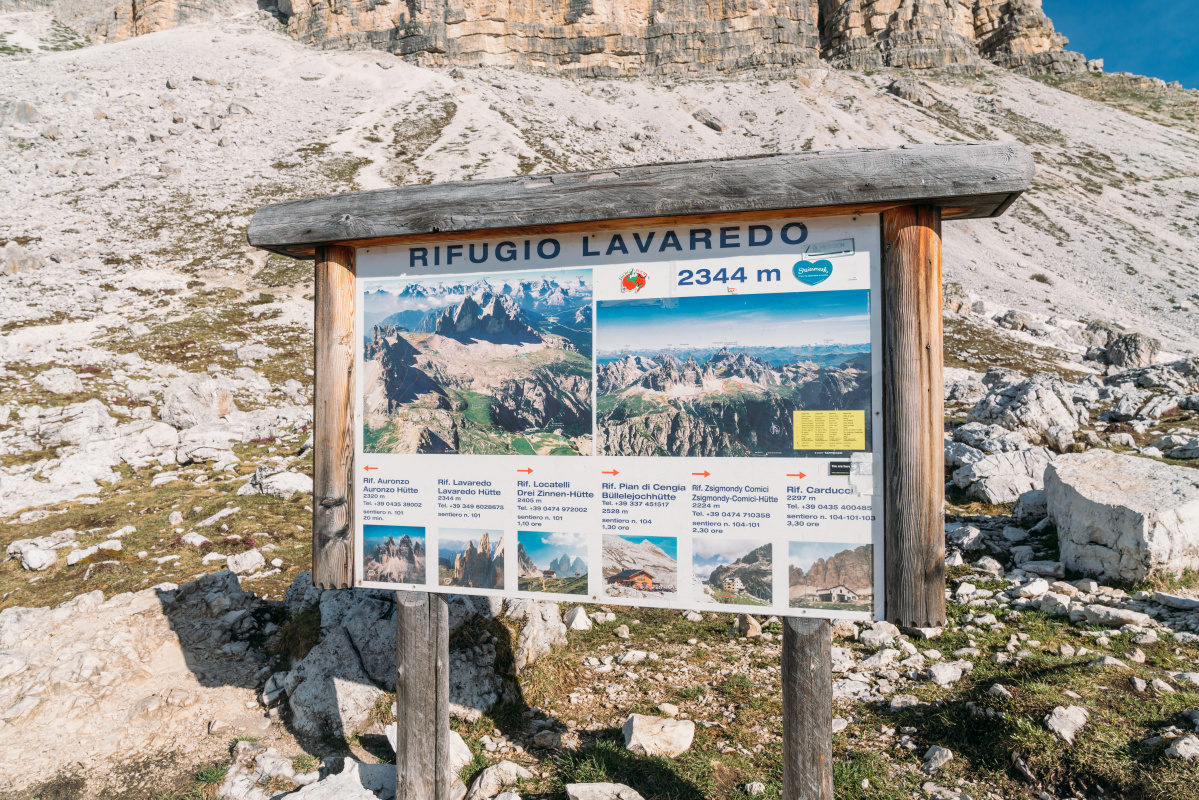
{"x": 422, "y": 697}
{"x": 718, "y": 237}
{"x": 807, "y": 709}
{"x": 333, "y": 417}
{"x": 913, "y": 418}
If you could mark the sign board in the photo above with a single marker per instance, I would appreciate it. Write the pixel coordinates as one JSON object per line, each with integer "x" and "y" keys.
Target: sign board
{"x": 682, "y": 416}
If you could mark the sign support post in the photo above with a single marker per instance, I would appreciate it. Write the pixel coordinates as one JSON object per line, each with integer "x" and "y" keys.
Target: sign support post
{"x": 807, "y": 709}
{"x": 333, "y": 418}
{"x": 422, "y": 696}
{"x": 913, "y": 418}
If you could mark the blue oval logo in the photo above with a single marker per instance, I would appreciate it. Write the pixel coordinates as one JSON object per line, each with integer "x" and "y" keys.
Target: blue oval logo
{"x": 813, "y": 273}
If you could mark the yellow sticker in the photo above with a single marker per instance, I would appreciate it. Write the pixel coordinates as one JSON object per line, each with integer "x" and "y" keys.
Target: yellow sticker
{"x": 830, "y": 430}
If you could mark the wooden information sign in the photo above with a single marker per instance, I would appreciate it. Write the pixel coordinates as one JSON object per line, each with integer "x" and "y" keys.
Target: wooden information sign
{"x": 711, "y": 385}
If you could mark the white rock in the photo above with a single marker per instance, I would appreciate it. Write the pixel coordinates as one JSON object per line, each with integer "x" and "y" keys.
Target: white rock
{"x": 249, "y": 561}
{"x": 110, "y": 546}
{"x": 935, "y": 758}
{"x": 285, "y": 484}
{"x": 600, "y": 791}
{"x": 1067, "y": 722}
{"x": 655, "y": 736}
{"x": 577, "y": 619}
{"x": 194, "y": 539}
{"x": 495, "y": 779}
{"x": 36, "y": 559}
{"x": 354, "y": 782}
{"x": 1106, "y": 615}
{"x": 755, "y": 788}
{"x": 1034, "y": 588}
{"x": 1003, "y": 477}
{"x": 631, "y": 657}
{"x": 75, "y": 556}
{"x": 944, "y": 674}
{"x": 1121, "y": 517}
{"x": 59, "y": 381}
{"x": 669, "y": 709}
{"x": 1184, "y": 747}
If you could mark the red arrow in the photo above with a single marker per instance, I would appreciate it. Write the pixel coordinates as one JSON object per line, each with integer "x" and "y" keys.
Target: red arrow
{"x": 705, "y": 473}
{"x": 613, "y": 473}
{"x": 796, "y": 475}
{"x": 368, "y": 469}
{"x": 526, "y": 471}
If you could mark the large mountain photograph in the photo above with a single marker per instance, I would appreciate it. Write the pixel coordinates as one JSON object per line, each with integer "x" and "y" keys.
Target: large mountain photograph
{"x": 479, "y": 365}
{"x": 725, "y": 375}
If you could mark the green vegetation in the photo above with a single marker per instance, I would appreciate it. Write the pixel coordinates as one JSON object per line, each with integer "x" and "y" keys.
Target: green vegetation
{"x": 283, "y": 271}
{"x": 573, "y": 585}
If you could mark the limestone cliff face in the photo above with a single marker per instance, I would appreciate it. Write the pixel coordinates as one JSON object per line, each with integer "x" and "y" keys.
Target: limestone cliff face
{"x": 108, "y": 21}
{"x": 621, "y": 37}
{"x": 628, "y": 37}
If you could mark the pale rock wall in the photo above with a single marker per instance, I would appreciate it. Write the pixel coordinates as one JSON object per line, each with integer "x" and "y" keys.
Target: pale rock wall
{"x": 108, "y": 21}
{"x": 615, "y": 37}
{"x": 589, "y": 37}
{"x": 626, "y": 37}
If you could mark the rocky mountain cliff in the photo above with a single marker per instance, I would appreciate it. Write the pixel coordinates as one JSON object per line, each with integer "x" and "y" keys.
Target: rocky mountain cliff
{"x": 754, "y": 570}
{"x": 683, "y": 37}
{"x": 852, "y": 568}
{"x": 478, "y": 566}
{"x": 621, "y": 554}
{"x": 677, "y": 37}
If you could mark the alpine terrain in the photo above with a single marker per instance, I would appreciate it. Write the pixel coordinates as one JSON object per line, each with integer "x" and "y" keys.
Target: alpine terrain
{"x": 479, "y": 369}
{"x": 729, "y": 404}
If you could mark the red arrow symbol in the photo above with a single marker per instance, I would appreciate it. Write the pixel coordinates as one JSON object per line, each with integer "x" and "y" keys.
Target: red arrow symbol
{"x": 613, "y": 473}
{"x": 705, "y": 473}
{"x": 368, "y": 469}
{"x": 526, "y": 471}
{"x": 796, "y": 475}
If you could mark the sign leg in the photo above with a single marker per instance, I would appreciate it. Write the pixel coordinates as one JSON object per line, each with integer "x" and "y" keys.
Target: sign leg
{"x": 422, "y": 697}
{"x": 913, "y": 418}
{"x": 333, "y": 417}
{"x": 807, "y": 709}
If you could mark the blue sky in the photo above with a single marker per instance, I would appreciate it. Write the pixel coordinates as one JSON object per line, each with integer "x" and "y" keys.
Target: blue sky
{"x": 804, "y": 554}
{"x": 1148, "y": 37}
{"x": 667, "y": 544}
{"x": 708, "y": 554}
{"x": 751, "y": 320}
{"x": 544, "y": 547}
{"x": 456, "y": 540}
{"x": 376, "y": 534}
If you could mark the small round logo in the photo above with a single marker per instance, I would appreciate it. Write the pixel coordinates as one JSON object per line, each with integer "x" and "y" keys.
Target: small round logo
{"x": 813, "y": 273}
{"x": 632, "y": 281}
{"x": 731, "y": 386}
{"x": 419, "y": 336}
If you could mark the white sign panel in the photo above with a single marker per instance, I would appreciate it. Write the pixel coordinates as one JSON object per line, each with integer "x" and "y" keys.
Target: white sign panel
{"x": 682, "y": 416}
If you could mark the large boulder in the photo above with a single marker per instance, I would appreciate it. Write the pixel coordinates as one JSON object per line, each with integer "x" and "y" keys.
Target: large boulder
{"x": 1029, "y": 407}
{"x": 1004, "y": 477}
{"x": 196, "y": 400}
{"x": 658, "y": 736}
{"x": 543, "y": 629}
{"x": 1133, "y": 350}
{"x": 1123, "y": 518}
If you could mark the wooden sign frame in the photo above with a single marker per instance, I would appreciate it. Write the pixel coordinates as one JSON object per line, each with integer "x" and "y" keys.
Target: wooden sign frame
{"x": 913, "y": 188}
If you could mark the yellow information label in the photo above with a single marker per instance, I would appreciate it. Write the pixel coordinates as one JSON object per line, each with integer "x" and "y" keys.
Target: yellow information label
{"x": 830, "y": 430}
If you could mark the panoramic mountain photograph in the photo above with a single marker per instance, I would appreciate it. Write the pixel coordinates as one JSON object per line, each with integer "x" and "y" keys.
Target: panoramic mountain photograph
{"x": 393, "y": 553}
{"x": 494, "y": 365}
{"x": 733, "y": 571}
{"x": 471, "y": 558}
{"x": 726, "y": 375}
{"x": 551, "y": 562}
{"x": 830, "y": 575}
